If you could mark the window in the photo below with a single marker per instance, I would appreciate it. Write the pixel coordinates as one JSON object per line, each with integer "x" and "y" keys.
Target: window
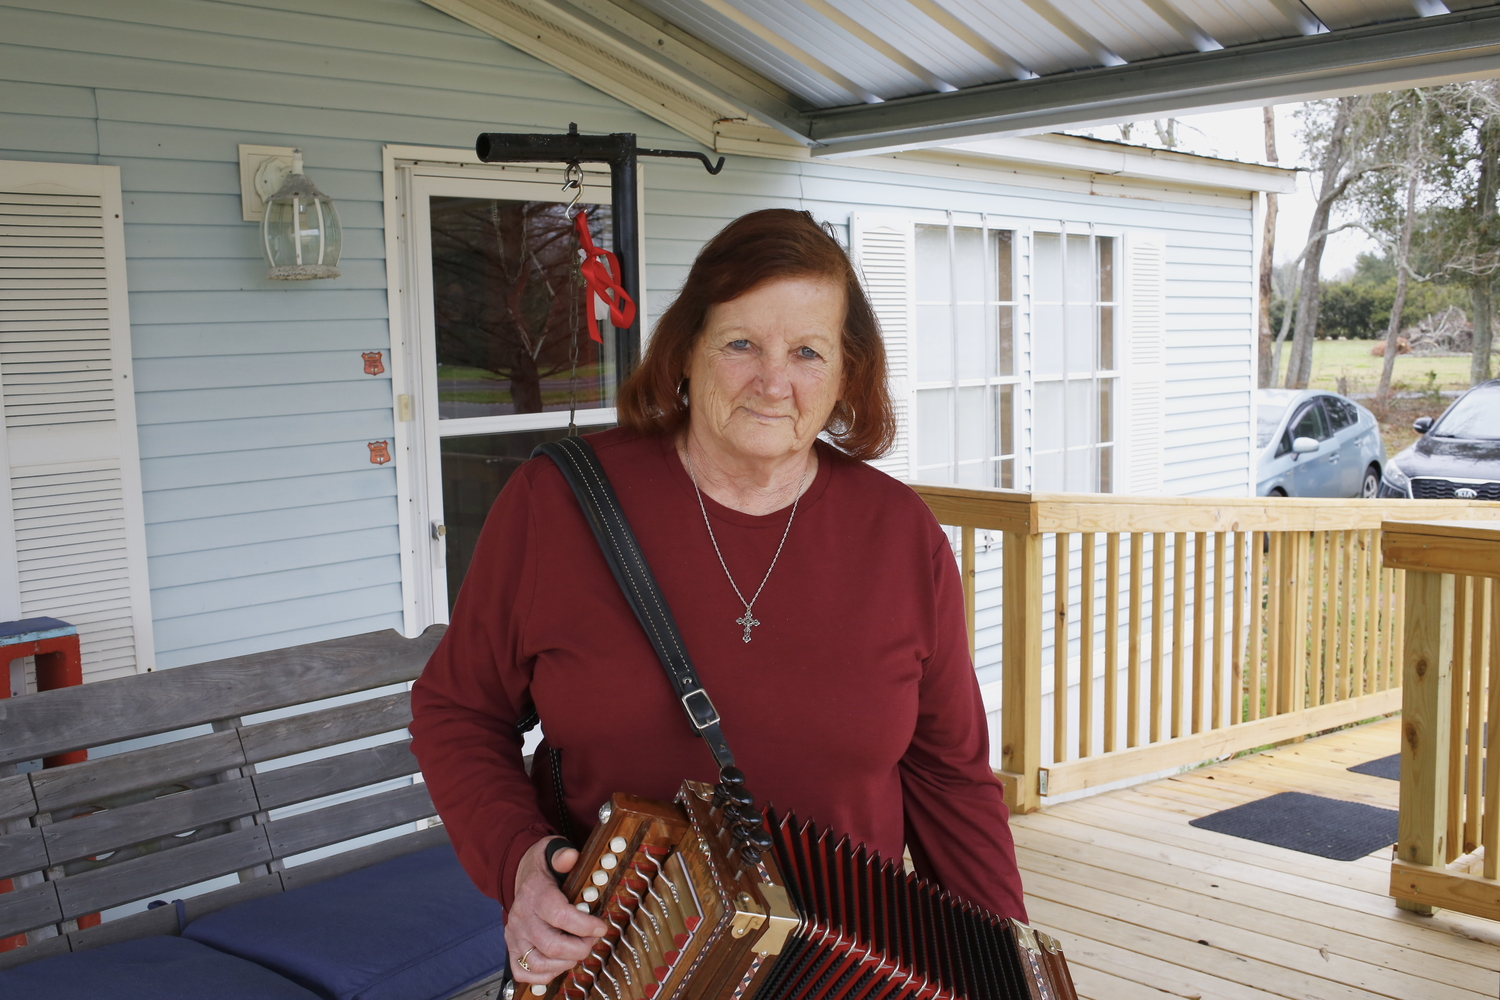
{"x": 1076, "y": 372}
{"x": 1341, "y": 412}
{"x": 965, "y": 359}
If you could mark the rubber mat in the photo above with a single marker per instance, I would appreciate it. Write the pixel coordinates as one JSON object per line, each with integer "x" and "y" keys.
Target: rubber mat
{"x": 1312, "y": 824}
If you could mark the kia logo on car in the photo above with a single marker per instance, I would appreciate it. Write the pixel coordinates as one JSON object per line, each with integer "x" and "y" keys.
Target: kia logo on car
{"x": 1464, "y": 493}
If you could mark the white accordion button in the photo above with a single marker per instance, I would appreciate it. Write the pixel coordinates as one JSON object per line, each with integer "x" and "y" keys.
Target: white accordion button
{"x": 608, "y": 862}
{"x": 599, "y": 878}
{"x": 590, "y": 894}
{"x": 618, "y": 845}
{"x": 581, "y": 907}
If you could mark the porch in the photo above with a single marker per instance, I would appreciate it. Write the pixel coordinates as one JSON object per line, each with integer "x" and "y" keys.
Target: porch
{"x": 1147, "y": 906}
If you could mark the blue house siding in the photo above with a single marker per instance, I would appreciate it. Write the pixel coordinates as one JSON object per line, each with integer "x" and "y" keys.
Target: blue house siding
{"x": 267, "y": 525}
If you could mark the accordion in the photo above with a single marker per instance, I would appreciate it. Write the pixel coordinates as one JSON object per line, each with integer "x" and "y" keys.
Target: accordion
{"x": 704, "y": 902}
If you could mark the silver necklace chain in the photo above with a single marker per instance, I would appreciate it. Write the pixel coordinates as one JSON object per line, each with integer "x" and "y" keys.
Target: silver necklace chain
{"x": 748, "y": 620}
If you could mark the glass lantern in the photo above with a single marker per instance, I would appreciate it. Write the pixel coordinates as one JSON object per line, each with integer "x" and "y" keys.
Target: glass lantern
{"x": 300, "y": 230}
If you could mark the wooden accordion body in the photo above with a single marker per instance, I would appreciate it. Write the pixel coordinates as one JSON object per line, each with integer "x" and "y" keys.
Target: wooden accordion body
{"x": 813, "y": 919}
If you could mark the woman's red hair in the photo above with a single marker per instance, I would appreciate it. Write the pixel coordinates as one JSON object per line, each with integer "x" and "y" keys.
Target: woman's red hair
{"x": 765, "y": 246}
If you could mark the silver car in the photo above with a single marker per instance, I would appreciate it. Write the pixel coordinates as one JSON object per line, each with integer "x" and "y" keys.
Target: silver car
{"x": 1316, "y": 444}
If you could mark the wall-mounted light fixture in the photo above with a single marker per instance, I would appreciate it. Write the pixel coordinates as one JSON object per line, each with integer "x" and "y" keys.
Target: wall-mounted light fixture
{"x": 300, "y": 230}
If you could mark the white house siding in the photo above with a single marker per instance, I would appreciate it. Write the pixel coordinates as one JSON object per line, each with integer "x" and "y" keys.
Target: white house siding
{"x": 267, "y": 524}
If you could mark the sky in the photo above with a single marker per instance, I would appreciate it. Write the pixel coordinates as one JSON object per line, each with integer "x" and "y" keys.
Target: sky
{"x": 1240, "y": 135}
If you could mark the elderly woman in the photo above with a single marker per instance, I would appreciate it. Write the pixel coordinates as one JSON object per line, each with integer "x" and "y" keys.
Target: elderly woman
{"x": 817, "y": 596}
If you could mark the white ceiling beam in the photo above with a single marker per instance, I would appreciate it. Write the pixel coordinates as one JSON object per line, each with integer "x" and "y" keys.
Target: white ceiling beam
{"x": 1389, "y": 56}
{"x": 1097, "y": 50}
{"x": 1183, "y": 25}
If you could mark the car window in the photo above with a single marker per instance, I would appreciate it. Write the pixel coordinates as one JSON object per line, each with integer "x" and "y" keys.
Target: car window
{"x": 1475, "y": 416}
{"x": 1309, "y": 423}
{"x": 1267, "y": 419}
{"x": 1341, "y": 412}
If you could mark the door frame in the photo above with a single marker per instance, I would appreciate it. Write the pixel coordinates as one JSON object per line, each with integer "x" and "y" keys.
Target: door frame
{"x": 408, "y": 174}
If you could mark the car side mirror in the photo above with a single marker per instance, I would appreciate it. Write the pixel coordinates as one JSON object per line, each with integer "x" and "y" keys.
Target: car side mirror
{"x": 1306, "y": 446}
{"x": 1422, "y": 425}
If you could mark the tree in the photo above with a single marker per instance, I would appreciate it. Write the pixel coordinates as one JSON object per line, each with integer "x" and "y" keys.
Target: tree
{"x": 1341, "y": 134}
{"x": 1266, "y": 373}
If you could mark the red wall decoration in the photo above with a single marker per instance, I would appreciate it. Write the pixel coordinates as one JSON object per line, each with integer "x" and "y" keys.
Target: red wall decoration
{"x": 380, "y": 452}
{"x": 373, "y": 364}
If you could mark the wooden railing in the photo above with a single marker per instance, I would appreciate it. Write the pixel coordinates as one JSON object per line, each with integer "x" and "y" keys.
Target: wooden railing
{"x": 1448, "y": 847}
{"x": 1192, "y": 629}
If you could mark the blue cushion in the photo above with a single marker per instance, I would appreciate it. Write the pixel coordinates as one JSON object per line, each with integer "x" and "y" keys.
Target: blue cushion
{"x": 153, "y": 968}
{"x": 411, "y": 928}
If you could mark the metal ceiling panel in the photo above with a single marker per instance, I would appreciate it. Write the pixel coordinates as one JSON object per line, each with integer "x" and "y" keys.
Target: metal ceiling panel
{"x": 925, "y": 40}
{"x": 1239, "y": 22}
{"x": 1131, "y": 30}
{"x": 815, "y": 33}
{"x": 1338, "y": 14}
{"x": 1015, "y": 28}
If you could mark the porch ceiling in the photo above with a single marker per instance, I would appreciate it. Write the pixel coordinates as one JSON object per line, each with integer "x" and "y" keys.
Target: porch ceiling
{"x": 861, "y": 76}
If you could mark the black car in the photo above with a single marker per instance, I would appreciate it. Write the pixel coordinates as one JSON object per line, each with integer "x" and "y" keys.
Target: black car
{"x": 1456, "y": 457}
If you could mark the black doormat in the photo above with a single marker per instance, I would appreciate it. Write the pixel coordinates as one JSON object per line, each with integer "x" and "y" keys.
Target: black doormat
{"x": 1312, "y": 824}
{"x": 1381, "y": 767}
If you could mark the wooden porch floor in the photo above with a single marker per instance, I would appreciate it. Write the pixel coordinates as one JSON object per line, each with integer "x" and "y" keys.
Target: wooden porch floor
{"x": 1147, "y": 906}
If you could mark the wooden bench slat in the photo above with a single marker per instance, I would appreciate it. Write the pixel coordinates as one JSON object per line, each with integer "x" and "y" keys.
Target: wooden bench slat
{"x": 105, "y": 831}
{"x": 16, "y": 799}
{"x": 348, "y": 820}
{"x": 326, "y": 727}
{"x": 158, "y": 874}
{"x": 361, "y": 857}
{"x": 87, "y": 782}
{"x": 28, "y": 908}
{"x": 316, "y": 778}
{"x": 22, "y": 852}
{"x": 51, "y": 722}
{"x": 41, "y": 949}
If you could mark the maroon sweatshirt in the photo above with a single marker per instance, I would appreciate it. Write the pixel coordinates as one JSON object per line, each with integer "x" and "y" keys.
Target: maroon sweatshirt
{"x": 854, "y": 704}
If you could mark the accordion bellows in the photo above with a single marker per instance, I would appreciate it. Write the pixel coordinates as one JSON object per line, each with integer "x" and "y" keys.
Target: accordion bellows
{"x": 812, "y": 919}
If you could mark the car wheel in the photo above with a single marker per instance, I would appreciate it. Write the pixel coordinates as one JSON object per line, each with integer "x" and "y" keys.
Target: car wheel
{"x": 1277, "y": 492}
{"x": 1369, "y": 489}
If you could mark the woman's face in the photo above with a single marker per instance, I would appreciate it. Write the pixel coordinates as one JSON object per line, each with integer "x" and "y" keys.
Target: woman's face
{"x": 767, "y": 369}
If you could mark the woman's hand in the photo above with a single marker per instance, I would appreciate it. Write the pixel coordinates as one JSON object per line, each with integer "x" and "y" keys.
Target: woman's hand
{"x": 542, "y": 926}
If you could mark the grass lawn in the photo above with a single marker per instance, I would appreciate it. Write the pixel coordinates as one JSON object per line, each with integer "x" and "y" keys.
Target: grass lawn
{"x": 1352, "y": 361}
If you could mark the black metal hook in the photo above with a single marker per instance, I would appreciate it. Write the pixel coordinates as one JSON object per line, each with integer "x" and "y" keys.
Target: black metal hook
{"x": 709, "y": 165}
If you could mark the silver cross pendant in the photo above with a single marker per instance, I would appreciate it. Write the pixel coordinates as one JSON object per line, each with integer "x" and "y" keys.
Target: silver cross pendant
{"x": 748, "y": 621}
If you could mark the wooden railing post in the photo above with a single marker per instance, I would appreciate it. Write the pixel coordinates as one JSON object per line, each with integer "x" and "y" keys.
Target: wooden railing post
{"x": 1426, "y": 723}
{"x": 1021, "y": 665}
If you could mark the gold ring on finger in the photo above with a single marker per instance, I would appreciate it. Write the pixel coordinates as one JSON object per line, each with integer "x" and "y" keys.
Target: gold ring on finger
{"x": 522, "y": 960}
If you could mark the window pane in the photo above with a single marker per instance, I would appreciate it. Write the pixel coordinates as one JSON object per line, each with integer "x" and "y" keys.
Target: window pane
{"x": 974, "y": 357}
{"x": 1048, "y": 472}
{"x": 501, "y": 282}
{"x": 1046, "y": 267}
{"x": 933, "y": 282}
{"x": 1007, "y": 337}
{"x": 973, "y": 440}
{"x": 1082, "y": 474}
{"x": 968, "y": 252}
{"x": 1005, "y": 415}
{"x": 934, "y": 429}
{"x": 1080, "y": 415}
{"x": 1007, "y": 479}
{"x": 1106, "y": 469}
{"x": 934, "y": 343}
{"x": 1106, "y": 409}
{"x": 1046, "y": 417}
{"x": 1047, "y": 355}
{"x": 1106, "y": 338}
{"x": 1106, "y": 268}
{"x": 1003, "y": 262}
{"x": 1080, "y": 270}
{"x": 1080, "y": 337}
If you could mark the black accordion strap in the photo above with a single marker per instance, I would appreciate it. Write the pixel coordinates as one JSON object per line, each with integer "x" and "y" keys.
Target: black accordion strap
{"x": 601, "y": 508}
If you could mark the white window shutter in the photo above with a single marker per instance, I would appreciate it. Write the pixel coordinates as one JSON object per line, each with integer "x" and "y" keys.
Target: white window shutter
{"x": 1145, "y": 363}
{"x": 72, "y": 539}
{"x": 884, "y": 249}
